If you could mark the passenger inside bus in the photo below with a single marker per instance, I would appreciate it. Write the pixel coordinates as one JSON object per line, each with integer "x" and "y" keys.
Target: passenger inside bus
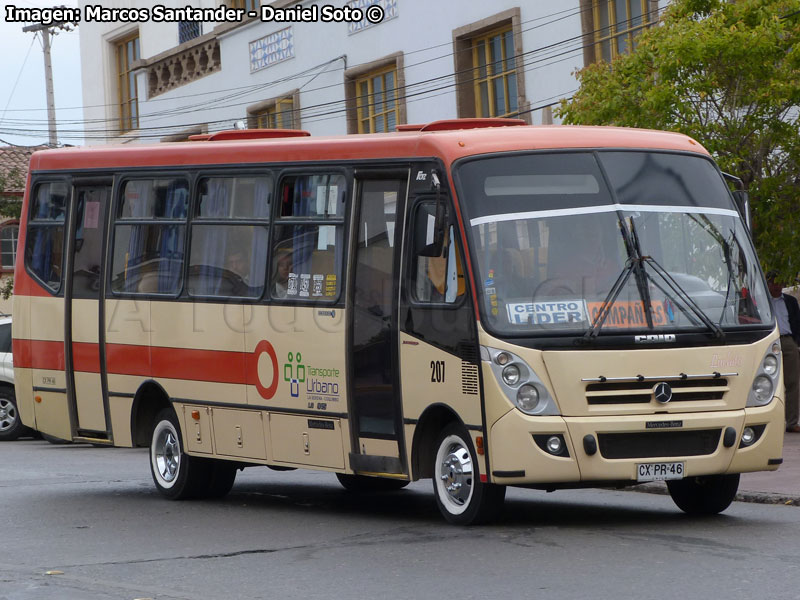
{"x": 283, "y": 267}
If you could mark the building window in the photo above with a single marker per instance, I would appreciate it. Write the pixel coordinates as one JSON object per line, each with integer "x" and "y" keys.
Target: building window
{"x": 188, "y": 30}
{"x": 8, "y": 246}
{"x": 495, "y": 75}
{"x": 375, "y": 95}
{"x": 490, "y": 80}
{"x": 127, "y": 52}
{"x": 248, "y": 5}
{"x": 617, "y": 23}
{"x": 277, "y": 114}
{"x": 377, "y": 101}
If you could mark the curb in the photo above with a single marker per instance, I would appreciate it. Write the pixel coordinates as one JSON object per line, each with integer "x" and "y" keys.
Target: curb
{"x": 742, "y": 496}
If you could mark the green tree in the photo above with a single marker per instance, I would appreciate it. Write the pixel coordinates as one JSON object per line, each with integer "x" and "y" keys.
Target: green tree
{"x": 726, "y": 73}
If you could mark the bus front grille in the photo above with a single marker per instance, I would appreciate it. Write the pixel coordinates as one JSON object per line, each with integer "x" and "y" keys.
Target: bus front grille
{"x": 654, "y": 444}
{"x": 641, "y": 392}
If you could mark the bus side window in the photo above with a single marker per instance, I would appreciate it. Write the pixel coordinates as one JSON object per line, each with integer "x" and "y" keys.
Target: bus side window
{"x": 229, "y": 237}
{"x": 307, "y": 248}
{"x": 44, "y": 249}
{"x": 435, "y": 279}
{"x": 149, "y": 236}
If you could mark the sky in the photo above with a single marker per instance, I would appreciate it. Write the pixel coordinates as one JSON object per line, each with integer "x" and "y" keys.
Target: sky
{"x": 23, "y": 100}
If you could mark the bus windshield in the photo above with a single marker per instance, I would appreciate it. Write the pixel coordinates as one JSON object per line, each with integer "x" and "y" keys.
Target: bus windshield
{"x": 649, "y": 240}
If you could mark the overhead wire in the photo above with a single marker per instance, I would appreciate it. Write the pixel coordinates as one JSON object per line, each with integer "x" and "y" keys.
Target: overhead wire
{"x": 325, "y": 110}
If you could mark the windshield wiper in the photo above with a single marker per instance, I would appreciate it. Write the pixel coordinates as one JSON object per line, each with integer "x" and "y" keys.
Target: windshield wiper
{"x": 633, "y": 262}
{"x": 681, "y": 293}
{"x": 636, "y": 264}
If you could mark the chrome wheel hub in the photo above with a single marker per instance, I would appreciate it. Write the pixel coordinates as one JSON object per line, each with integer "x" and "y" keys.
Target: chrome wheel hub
{"x": 456, "y": 474}
{"x": 167, "y": 455}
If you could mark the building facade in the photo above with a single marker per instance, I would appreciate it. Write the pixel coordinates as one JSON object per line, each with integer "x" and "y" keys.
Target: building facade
{"x": 279, "y": 67}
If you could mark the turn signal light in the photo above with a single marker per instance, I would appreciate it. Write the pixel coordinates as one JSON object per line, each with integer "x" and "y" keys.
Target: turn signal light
{"x": 479, "y": 445}
{"x": 196, "y": 415}
{"x": 38, "y": 399}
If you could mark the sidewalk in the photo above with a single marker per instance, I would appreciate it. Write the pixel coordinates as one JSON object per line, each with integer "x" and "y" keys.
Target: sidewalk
{"x": 766, "y": 487}
{"x": 781, "y": 486}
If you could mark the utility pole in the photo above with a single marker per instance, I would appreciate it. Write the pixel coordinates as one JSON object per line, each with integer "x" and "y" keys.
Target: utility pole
{"x": 47, "y": 31}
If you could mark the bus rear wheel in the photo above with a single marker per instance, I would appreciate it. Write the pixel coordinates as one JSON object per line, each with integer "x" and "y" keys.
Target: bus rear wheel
{"x": 460, "y": 495}
{"x": 707, "y": 495}
{"x": 177, "y": 475}
{"x": 362, "y": 483}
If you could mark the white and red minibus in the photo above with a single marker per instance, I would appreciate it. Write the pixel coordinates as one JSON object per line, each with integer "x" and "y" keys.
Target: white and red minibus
{"x": 479, "y": 302}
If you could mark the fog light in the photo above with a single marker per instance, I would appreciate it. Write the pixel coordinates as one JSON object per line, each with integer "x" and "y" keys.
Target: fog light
{"x": 511, "y": 375}
{"x": 527, "y": 398}
{"x": 555, "y": 445}
{"x": 748, "y": 436}
{"x": 503, "y": 358}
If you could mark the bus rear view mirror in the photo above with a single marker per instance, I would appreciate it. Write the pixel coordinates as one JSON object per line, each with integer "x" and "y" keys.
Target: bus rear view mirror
{"x": 742, "y": 199}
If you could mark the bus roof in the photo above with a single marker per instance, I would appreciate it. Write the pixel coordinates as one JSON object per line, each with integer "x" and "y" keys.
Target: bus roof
{"x": 449, "y": 145}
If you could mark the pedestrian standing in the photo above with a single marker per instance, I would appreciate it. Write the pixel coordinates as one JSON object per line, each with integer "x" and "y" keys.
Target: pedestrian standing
{"x": 787, "y": 311}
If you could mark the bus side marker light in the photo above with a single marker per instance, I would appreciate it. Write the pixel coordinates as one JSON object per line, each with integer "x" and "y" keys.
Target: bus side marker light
{"x": 38, "y": 399}
{"x": 196, "y": 415}
{"x": 589, "y": 444}
{"x": 479, "y": 445}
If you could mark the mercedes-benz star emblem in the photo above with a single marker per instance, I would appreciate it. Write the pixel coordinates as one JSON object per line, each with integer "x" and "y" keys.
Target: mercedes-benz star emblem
{"x": 663, "y": 392}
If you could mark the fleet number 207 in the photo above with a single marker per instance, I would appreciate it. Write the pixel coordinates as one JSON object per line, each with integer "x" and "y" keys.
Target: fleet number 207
{"x": 437, "y": 371}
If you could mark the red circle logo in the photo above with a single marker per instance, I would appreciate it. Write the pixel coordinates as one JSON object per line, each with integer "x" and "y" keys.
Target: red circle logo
{"x": 266, "y": 392}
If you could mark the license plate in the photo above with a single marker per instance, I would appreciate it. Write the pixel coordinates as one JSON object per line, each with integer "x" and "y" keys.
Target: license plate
{"x": 659, "y": 471}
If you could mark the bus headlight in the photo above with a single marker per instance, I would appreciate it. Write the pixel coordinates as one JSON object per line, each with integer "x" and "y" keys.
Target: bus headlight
{"x": 511, "y": 375}
{"x": 766, "y": 379}
{"x": 770, "y": 364}
{"x": 527, "y": 398}
{"x": 519, "y": 382}
{"x": 762, "y": 390}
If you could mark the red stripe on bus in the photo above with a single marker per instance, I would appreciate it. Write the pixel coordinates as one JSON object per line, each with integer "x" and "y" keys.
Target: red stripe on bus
{"x": 128, "y": 359}
{"x": 198, "y": 365}
{"x": 38, "y": 354}
{"x": 85, "y": 357}
{"x": 169, "y": 363}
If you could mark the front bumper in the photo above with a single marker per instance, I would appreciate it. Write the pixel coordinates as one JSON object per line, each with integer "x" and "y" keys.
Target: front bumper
{"x": 516, "y": 459}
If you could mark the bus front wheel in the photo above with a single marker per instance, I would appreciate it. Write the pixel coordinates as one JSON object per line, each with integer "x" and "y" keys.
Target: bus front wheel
{"x": 177, "y": 475}
{"x": 460, "y": 495}
{"x": 707, "y": 495}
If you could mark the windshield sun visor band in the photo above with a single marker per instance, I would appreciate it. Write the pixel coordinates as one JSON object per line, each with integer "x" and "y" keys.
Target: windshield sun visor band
{"x": 588, "y": 210}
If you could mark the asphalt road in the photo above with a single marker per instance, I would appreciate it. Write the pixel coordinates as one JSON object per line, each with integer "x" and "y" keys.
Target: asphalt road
{"x": 85, "y": 523}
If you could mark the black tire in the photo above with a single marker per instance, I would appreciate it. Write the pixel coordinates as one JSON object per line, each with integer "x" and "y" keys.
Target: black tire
{"x": 362, "y": 483}
{"x": 11, "y": 426}
{"x": 707, "y": 495}
{"x": 223, "y": 475}
{"x": 460, "y": 495}
{"x": 177, "y": 475}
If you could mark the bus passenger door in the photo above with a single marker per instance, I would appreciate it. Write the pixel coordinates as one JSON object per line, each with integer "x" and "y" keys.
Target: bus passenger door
{"x": 84, "y": 311}
{"x": 375, "y": 411}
